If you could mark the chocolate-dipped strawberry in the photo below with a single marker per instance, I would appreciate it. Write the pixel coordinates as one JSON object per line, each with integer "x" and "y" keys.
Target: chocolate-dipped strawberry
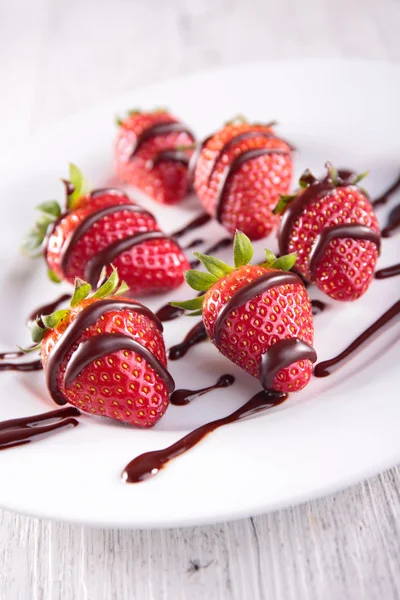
{"x": 331, "y": 226}
{"x": 239, "y": 173}
{"x": 105, "y": 354}
{"x": 259, "y": 317}
{"x": 152, "y": 152}
{"x": 101, "y": 227}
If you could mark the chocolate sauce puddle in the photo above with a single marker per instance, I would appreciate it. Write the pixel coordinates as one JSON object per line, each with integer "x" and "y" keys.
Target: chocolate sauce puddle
{"x": 183, "y": 397}
{"x": 383, "y": 198}
{"x": 196, "y": 223}
{"x": 224, "y": 243}
{"x": 318, "y": 307}
{"x": 85, "y": 319}
{"x": 327, "y": 367}
{"x": 47, "y": 309}
{"x": 17, "y": 432}
{"x": 196, "y": 335}
{"x": 388, "y": 272}
{"x": 169, "y": 313}
{"x": 149, "y": 464}
{"x": 393, "y": 222}
{"x": 233, "y": 167}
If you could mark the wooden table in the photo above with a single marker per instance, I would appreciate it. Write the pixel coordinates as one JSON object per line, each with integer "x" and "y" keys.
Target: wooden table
{"x": 57, "y": 57}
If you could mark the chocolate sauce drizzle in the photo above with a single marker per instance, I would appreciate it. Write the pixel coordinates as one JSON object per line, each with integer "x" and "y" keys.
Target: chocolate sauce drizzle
{"x": 173, "y": 155}
{"x": 383, "y": 198}
{"x": 393, "y": 222}
{"x": 106, "y": 256}
{"x": 47, "y": 309}
{"x": 32, "y": 365}
{"x": 196, "y": 335}
{"x": 233, "y": 167}
{"x": 224, "y": 243}
{"x": 100, "y": 345}
{"x": 388, "y": 272}
{"x": 327, "y": 367}
{"x": 183, "y": 397}
{"x": 193, "y": 244}
{"x": 169, "y": 313}
{"x": 160, "y": 128}
{"x": 354, "y": 231}
{"x": 283, "y": 354}
{"x": 318, "y": 306}
{"x": 88, "y": 223}
{"x": 249, "y": 292}
{"x": 85, "y": 319}
{"x": 17, "y": 432}
{"x": 197, "y": 222}
{"x": 149, "y": 464}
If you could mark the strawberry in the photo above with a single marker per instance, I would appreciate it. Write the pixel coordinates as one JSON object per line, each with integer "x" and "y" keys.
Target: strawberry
{"x": 257, "y": 316}
{"x": 105, "y": 354}
{"x": 152, "y": 152}
{"x": 102, "y": 227}
{"x": 239, "y": 173}
{"x": 331, "y": 226}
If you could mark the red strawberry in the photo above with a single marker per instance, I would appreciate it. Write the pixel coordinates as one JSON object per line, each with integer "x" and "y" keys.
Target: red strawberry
{"x": 257, "y": 316}
{"x": 106, "y": 355}
{"x": 152, "y": 152}
{"x": 104, "y": 227}
{"x": 331, "y": 226}
{"x": 240, "y": 172}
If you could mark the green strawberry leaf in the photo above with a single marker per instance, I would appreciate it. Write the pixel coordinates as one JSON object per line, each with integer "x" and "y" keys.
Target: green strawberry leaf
{"x": 194, "y": 304}
{"x": 50, "y": 208}
{"x": 283, "y": 202}
{"x": 200, "y": 281}
{"x": 51, "y": 321}
{"x": 195, "y": 313}
{"x": 285, "y": 263}
{"x": 213, "y": 265}
{"x": 35, "y": 236}
{"x": 81, "y": 291}
{"x": 37, "y": 332}
{"x": 34, "y": 348}
{"x": 242, "y": 250}
{"x": 306, "y": 179}
{"x": 109, "y": 286}
{"x": 360, "y": 177}
{"x": 79, "y": 184}
{"x": 52, "y": 276}
{"x": 124, "y": 287}
{"x": 332, "y": 172}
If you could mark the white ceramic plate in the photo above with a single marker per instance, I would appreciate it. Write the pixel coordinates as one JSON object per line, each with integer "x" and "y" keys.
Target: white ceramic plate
{"x": 334, "y": 433}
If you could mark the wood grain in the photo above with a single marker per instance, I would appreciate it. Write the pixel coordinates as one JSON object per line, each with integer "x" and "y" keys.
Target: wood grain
{"x": 57, "y": 57}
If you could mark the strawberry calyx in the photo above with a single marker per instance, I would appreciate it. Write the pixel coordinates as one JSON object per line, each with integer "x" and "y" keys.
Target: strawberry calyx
{"x": 119, "y": 121}
{"x": 307, "y": 179}
{"x": 110, "y": 286}
{"x": 217, "y": 269}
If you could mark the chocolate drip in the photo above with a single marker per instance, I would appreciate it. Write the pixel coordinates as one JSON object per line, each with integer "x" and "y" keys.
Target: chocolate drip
{"x": 106, "y": 256}
{"x": 388, "y": 272}
{"x": 383, "y": 198}
{"x": 197, "y": 222}
{"x": 249, "y": 292}
{"x": 347, "y": 176}
{"x": 283, "y": 354}
{"x": 318, "y": 307}
{"x": 196, "y": 335}
{"x": 354, "y": 231}
{"x": 233, "y": 167}
{"x": 47, "y": 309}
{"x": 169, "y": 313}
{"x": 193, "y": 244}
{"x": 101, "y": 345}
{"x": 160, "y": 128}
{"x": 327, "y": 367}
{"x": 17, "y": 432}
{"x": 172, "y": 155}
{"x": 184, "y": 397}
{"x": 393, "y": 222}
{"x": 88, "y": 223}
{"x": 85, "y": 319}
{"x": 224, "y": 243}
{"x": 108, "y": 191}
{"x": 146, "y": 465}
{"x": 33, "y": 365}
{"x": 240, "y": 137}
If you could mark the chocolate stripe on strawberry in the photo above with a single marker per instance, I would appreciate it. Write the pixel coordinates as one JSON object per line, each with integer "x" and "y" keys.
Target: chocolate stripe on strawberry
{"x": 108, "y": 191}
{"x": 245, "y": 135}
{"x": 353, "y": 231}
{"x": 85, "y": 319}
{"x": 87, "y": 223}
{"x": 160, "y": 128}
{"x": 283, "y": 354}
{"x": 250, "y": 291}
{"x": 234, "y": 166}
{"x": 107, "y": 343}
{"x": 168, "y": 155}
{"x": 106, "y": 256}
